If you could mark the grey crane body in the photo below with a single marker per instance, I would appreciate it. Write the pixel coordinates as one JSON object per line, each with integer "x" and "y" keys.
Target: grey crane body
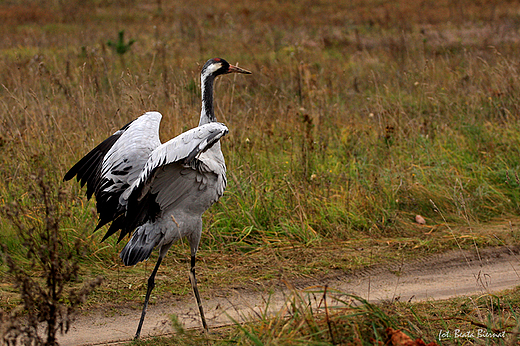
{"x": 167, "y": 200}
{"x": 158, "y": 192}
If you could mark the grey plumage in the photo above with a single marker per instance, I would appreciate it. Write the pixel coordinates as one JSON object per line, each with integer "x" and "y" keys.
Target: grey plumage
{"x": 158, "y": 192}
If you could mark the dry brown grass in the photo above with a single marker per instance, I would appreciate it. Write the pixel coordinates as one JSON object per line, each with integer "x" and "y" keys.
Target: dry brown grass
{"x": 349, "y": 124}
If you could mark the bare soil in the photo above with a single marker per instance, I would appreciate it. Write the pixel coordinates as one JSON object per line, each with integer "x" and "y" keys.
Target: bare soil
{"x": 457, "y": 273}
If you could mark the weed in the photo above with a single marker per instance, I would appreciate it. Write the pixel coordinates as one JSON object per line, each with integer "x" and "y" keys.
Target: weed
{"x": 120, "y": 46}
{"x": 47, "y": 298}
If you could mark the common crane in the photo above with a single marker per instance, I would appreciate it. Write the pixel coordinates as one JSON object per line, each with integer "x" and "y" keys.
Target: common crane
{"x": 159, "y": 191}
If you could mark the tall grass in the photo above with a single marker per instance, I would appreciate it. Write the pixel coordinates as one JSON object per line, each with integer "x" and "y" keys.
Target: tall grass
{"x": 355, "y": 119}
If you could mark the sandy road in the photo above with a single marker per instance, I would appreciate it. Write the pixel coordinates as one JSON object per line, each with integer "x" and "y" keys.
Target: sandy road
{"x": 437, "y": 277}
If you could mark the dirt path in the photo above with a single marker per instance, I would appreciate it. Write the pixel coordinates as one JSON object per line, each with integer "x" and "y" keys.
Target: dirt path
{"x": 438, "y": 277}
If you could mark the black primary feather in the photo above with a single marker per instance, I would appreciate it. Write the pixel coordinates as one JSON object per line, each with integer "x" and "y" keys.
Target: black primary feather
{"x": 88, "y": 171}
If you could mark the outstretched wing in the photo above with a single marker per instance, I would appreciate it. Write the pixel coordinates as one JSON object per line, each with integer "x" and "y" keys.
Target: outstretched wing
{"x": 115, "y": 164}
{"x": 173, "y": 169}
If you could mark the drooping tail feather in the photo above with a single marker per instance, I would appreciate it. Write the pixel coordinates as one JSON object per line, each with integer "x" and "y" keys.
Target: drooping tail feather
{"x": 140, "y": 247}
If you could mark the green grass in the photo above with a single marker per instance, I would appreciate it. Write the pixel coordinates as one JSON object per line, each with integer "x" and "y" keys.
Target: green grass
{"x": 357, "y": 118}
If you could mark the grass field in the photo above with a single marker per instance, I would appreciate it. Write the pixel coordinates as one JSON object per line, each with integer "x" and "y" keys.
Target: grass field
{"x": 357, "y": 118}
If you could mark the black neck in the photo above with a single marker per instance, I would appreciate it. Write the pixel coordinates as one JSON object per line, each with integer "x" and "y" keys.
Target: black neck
{"x": 207, "y": 114}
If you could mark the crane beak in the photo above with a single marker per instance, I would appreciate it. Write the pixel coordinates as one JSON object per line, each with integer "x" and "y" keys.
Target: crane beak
{"x": 236, "y": 69}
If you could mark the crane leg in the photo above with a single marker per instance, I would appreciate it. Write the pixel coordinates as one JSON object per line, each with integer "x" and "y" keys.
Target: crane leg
{"x": 151, "y": 285}
{"x": 193, "y": 282}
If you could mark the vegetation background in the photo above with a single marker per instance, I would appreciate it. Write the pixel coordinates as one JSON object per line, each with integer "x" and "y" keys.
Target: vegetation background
{"x": 359, "y": 116}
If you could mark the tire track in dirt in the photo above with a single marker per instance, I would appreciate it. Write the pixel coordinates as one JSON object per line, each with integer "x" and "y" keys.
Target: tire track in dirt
{"x": 457, "y": 273}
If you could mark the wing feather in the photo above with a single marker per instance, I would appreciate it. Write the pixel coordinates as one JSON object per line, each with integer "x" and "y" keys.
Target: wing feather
{"x": 113, "y": 166}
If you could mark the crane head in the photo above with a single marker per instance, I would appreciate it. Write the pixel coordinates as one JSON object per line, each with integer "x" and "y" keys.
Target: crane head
{"x": 218, "y": 66}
